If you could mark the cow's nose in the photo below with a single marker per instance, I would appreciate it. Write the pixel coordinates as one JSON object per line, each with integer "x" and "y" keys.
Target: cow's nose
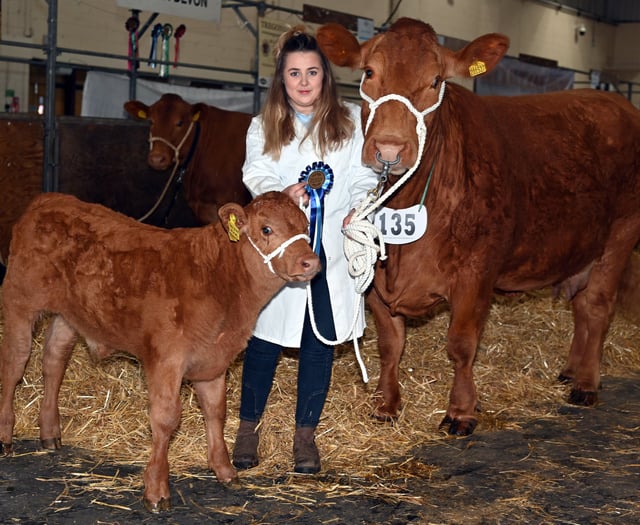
{"x": 388, "y": 152}
{"x": 158, "y": 160}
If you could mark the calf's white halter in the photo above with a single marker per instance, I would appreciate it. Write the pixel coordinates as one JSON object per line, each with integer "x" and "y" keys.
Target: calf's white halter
{"x": 360, "y": 247}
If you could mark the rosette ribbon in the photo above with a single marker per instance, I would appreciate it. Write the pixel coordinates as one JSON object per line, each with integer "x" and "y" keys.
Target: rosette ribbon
{"x": 178, "y": 34}
{"x": 131, "y": 25}
{"x": 167, "y": 31}
{"x": 319, "y": 179}
{"x": 153, "y": 54}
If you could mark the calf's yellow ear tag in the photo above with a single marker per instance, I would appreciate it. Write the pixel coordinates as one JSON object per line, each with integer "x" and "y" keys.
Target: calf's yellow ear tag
{"x": 477, "y": 68}
{"x": 142, "y": 114}
{"x": 232, "y": 229}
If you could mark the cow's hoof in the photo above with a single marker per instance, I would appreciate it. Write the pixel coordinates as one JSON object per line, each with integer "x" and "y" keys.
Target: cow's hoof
{"x": 6, "y": 449}
{"x": 51, "y": 443}
{"x": 583, "y": 398}
{"x": 458, "y": 427}
{"x": 163, "y": 505}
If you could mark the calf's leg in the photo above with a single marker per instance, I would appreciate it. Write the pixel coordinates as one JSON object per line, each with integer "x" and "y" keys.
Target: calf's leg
{"x": 391, "y": 339}
{"x": 163, "y": 382}
{"x": 58, "y": 346}
{"x": 213, "y": 402}
{"x": 14, "y": 355}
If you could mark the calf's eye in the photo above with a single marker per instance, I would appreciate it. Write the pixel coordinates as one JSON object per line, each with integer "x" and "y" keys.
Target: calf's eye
{"x": 266, "y": 230}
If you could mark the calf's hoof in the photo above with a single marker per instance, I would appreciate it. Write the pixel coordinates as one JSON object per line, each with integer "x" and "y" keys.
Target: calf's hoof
{"x": 163, "y": 505}
{"x": 458, "y": 427}
{"x": 583, "y": 397}
{"x": 51, "y": 443}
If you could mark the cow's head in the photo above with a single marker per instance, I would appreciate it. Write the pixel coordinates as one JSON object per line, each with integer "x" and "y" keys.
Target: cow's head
{"x": 278, "y": 231}
{"x": 172, "y": 127}
{"x": 408, "y": 61}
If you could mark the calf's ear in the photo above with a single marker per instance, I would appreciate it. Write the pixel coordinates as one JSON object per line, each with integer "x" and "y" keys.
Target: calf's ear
{"x": 339, "y": 45}
{"x": 233, "y": 219}
{"x": 478, "y": 57}
{"x": 137, "y": 109}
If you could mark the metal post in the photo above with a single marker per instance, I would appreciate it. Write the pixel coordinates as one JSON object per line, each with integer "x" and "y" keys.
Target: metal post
{"x": 49, "y": 182}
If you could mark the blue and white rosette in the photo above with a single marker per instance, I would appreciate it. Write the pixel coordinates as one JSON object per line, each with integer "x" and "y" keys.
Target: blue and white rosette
{"x": 319, "y": 179}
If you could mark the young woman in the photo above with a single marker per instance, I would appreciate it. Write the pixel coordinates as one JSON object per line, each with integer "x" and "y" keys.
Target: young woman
{"x": 307, "y": 143}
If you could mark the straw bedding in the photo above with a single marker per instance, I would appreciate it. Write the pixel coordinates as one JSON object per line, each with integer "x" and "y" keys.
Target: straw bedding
{"x": 104, "y": 406}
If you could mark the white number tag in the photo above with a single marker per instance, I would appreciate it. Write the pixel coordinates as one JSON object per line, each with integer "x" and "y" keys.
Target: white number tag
{"x": 402, "y": 226}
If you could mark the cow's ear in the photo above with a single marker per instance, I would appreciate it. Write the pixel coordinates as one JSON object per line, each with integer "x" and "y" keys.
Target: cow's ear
{"x": 477, "y": 57}
{"x": 339, "y": 45}
{"x": 233, "y": 219}
{"x": 137, "y": 109}
{"x": 196, "y": 111}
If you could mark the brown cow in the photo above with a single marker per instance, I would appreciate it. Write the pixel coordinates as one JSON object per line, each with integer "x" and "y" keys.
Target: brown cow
{"x": 522, "y": 193}
{"x": 206, "y": 143}
{"x": 184, "y": 302}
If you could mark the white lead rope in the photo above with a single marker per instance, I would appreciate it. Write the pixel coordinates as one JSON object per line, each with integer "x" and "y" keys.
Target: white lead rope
{"x": 360, "y": 246}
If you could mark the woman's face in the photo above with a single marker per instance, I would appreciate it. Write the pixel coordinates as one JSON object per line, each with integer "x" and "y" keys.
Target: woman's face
{"x": 303, "y": 76}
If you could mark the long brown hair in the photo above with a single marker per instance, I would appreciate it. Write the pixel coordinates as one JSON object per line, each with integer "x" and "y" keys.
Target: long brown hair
{"x": 331, "y": 124}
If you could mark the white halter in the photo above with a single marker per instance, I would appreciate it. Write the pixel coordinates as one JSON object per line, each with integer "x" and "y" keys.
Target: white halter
{"x": 359, "y": 244}
{"x": 279, "y": 251}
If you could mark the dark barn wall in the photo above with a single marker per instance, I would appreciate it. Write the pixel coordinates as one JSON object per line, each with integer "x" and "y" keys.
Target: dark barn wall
{"x": 21, "y": 147}
{"x": 97, "y": 160}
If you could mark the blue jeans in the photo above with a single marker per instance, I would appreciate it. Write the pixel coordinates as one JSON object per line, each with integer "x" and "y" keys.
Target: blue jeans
{"x": 314, "y": 365}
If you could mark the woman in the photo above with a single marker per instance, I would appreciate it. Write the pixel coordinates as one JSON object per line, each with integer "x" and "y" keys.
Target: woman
{"x": 306, "y": 143}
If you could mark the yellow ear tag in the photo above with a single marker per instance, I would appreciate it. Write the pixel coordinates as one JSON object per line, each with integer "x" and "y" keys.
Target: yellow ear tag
{"x": 142, "y": 114}
{"x": 477, "y": 68}
{"x": 233, "y": 231}
{"x": 196, "y": 117}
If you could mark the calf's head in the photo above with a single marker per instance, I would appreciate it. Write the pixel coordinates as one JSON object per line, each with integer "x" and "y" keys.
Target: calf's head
{"x": 408, "y": 66}
{"x": 278, "y": 231}
{"x": 172, "y": 129}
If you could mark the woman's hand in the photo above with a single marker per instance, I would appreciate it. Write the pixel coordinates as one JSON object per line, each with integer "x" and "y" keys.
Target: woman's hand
{"x": 298, "y": 193}
{"x": 347, "y": 219}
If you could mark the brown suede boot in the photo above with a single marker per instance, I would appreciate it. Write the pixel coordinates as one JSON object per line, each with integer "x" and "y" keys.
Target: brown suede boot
{"x": 245, "y": 451}
{"x": 305, "y": 452}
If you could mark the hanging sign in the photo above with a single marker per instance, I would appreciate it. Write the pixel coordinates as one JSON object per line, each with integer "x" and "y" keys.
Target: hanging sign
{"x": 206, "y": 10}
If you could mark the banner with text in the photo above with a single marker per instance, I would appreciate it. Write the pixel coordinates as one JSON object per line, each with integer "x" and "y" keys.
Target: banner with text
{"x": 207, "y": 10}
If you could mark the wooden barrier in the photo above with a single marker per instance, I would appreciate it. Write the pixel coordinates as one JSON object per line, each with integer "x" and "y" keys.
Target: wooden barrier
{"x": 97, "y": 160}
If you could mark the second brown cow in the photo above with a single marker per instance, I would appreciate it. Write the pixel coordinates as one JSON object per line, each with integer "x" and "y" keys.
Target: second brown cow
{"x": 205, "y": 142}
{"x": 184, "y": 302}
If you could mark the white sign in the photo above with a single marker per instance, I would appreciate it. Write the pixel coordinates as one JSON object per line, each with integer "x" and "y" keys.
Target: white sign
{"x": 402, "y": 226}
{"x": 207, "y": 10}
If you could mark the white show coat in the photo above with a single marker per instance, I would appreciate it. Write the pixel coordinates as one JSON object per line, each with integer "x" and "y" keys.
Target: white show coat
{"x": 281, "y": 321}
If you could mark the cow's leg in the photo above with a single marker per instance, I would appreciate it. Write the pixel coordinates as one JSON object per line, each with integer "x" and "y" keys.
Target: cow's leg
{"x": 14, "y": 355}
{"x": 469, "y": 311}
{"x": 391, "y": 339}
{"x": 213, "y": 402}
{"x": 164, "y": 380}
{"x": 58, "y": 346}
{"x": 593, "y": 309}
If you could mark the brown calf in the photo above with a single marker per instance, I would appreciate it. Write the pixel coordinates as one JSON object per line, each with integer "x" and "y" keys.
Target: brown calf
{"x": 183, "y": 302}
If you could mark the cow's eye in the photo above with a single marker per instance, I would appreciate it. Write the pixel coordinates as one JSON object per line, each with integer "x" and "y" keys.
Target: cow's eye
{"x": 179, "y": 123}
{"x": 436, "y": 81}
{"x": 368, "y": 73}
{"x": 266, "y": 230}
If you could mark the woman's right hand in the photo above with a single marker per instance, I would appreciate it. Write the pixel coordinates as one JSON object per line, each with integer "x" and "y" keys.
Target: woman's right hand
{"x": 298, "y": 193}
